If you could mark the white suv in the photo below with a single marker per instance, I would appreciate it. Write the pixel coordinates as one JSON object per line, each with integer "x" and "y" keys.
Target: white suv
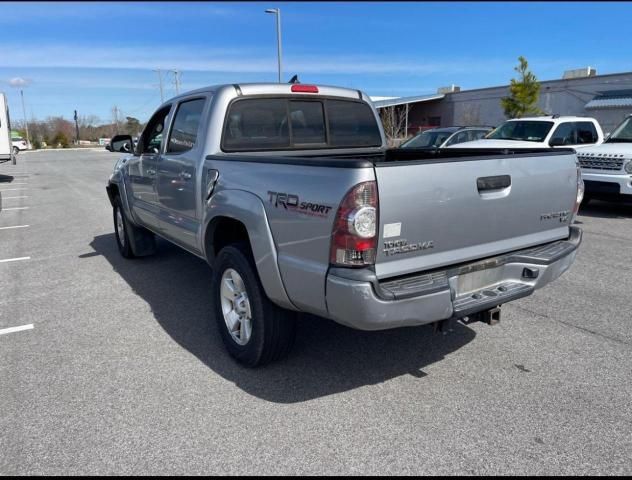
{"x": 542, "y": 132}
{"x": 19, "y": 144}
{"x": 607, "y": 168}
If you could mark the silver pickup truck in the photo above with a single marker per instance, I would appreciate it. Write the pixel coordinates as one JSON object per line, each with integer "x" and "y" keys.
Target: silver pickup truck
{"x": 289, "y": 193}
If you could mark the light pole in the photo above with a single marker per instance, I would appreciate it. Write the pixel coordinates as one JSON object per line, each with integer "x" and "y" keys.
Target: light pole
{"x": 26, "y": 123}
{"x": 277, "y": 12}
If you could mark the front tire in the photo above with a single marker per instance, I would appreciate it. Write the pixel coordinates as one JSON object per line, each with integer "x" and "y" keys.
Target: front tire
{"x": 121, "y": 230}
{"x": 254, "y": 330}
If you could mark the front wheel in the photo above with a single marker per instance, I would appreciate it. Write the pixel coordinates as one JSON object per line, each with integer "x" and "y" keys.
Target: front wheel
{"x": 121, "y": 230}
{"x": 254, "y": 330}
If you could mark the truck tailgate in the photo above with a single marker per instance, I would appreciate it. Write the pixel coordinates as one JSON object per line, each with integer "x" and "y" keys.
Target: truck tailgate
{"x": 439, "y": 212}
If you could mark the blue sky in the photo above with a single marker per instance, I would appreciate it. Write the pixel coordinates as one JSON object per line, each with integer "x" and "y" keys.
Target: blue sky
{"x": 93, "y": 56}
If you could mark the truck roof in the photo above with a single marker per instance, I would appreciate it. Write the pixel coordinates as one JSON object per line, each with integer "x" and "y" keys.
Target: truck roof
{"x": 277, "y": 89}
{"x": 554, "y": 118}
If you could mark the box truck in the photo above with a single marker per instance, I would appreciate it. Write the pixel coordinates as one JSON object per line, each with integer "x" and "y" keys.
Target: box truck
{"x": 6, "y": 147}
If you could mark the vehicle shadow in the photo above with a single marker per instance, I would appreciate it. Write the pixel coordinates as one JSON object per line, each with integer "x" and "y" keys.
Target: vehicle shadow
{"x": 6, "y": 178}
{"x": 327, "y": 358}
{"x": 607, "y": 209}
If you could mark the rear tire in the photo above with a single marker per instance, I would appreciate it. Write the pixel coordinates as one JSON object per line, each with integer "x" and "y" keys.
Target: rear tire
{"x": 254, "y": 330}
{"x": 16, "y": 150}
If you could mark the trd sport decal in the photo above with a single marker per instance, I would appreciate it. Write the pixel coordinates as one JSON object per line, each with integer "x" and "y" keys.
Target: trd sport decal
{"x": 290, "y": 201}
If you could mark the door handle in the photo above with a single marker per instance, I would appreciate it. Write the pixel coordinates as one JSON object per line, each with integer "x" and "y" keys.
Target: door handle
{"x": 498, "y": 182}
{"x": 151, "y": 173}
{"x": 211, "y": 179}
{"x": 185, "y": 175}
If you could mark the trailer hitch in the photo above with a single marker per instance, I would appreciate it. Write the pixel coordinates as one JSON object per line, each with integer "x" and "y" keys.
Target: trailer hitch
{"x": 490, "y": 317}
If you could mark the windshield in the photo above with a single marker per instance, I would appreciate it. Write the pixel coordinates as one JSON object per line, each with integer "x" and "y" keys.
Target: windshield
{"x": 427, "y": 139}
{"x": 623, "y": 133}
{"x": 523, "y": 130}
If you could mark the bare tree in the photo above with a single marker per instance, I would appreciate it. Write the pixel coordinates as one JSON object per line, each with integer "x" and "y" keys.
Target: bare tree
{"x": 394, "y": 121}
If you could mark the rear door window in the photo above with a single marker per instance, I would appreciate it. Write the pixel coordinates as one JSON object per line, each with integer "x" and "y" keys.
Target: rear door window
{"x": 257, "y": 124}
{"x": 185, "y": 126}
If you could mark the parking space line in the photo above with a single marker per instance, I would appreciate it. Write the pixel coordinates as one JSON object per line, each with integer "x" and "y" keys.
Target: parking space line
{"x": 13, "y": 183}
{"x": 21, "y": 328}
{"x": 15, "y": 226}
{"x": 12, "y": 190}
{"x": 13, "y": 198}
{"x": 7, "y": 260}
{"x": 15, "y": 208}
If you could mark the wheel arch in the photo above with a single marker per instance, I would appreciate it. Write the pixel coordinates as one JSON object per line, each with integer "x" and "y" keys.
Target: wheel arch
{"x": 237, "y": 215}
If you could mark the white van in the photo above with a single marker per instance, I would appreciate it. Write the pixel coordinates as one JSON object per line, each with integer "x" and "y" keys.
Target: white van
{"x": 6, "y": 146}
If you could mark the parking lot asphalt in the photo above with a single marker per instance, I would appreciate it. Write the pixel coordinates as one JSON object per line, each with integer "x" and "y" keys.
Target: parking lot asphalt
{"x": 123, "y": 371}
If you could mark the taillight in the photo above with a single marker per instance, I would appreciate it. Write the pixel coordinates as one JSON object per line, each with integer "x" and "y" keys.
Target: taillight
{"x": 354, "y": 236}
{"x": 580, "y": 193}
{"x": 305, "y": 88}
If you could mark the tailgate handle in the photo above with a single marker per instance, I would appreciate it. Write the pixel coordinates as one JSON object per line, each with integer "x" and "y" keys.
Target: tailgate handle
{"x": 497, "y": 182}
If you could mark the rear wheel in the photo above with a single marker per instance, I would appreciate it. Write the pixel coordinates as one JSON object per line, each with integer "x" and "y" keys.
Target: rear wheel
{"x": 254, "y": 330}
{"x": 16, "y": 150}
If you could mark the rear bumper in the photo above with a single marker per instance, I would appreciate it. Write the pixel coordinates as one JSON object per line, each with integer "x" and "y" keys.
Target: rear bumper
{"x": 607, "y": 184}
{"x": 357, "y": 299}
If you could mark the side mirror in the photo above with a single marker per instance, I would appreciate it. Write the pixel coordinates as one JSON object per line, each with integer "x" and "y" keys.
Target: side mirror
{"x": 122, "y": 143}
{"x": 556, "y": 142}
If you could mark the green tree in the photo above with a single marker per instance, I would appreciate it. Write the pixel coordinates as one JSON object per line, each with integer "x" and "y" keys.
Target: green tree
{"x": 61, "y": 139}
{"x": 523, "y": 93}
{"x": 132, "y": 126}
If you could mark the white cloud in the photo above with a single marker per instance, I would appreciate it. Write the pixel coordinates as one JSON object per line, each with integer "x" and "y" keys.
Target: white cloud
{"x": 235, "y": 60}
{"x": 19, "y": 82}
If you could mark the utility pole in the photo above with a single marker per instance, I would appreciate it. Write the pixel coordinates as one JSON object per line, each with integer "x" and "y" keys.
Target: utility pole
{"x": 162, "y": 97}
{"x": 116, "y": 123}
{"x": 26, "y": 123}
{"x": 176, "y": 80}
{"x": 77, "y": 127}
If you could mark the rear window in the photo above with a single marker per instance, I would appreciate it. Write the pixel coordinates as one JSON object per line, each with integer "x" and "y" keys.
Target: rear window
{"x": 257, "y": 124}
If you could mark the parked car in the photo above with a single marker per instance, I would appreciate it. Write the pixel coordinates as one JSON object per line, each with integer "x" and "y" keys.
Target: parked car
{"x": 607, "y": 168}
{"x": 543, "y": 132}
{"x": 19, "y": 144}
{"x": 446, "y": 136}
{"x": 289, "y": 193}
